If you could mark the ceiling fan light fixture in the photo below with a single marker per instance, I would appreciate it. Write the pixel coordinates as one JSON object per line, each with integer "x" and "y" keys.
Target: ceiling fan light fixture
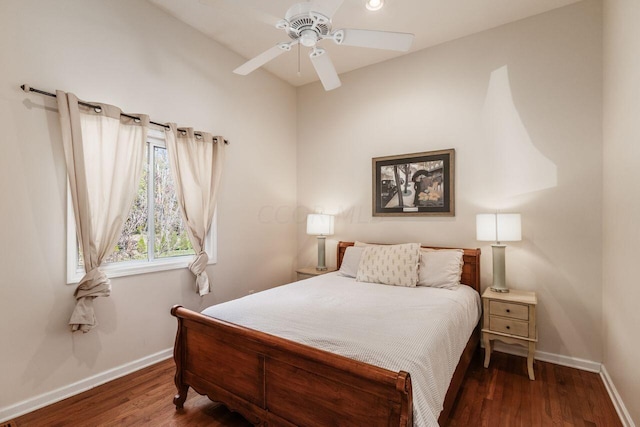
{"x": 374, "y": 5}
{"x": 308, "y": 38}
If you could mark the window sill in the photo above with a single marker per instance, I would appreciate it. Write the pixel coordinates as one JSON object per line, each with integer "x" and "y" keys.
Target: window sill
{"x": 132, "y": 268}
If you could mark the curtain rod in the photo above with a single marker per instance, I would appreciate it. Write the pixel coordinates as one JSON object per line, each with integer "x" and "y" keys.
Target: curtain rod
{"x": 28, "y": 88}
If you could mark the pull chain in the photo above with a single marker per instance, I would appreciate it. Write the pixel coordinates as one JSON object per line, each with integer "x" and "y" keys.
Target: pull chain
{"x": 299, "y": 60}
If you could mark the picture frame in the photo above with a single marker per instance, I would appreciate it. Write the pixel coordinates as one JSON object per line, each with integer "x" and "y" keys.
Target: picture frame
{"x": 417, "y": 184}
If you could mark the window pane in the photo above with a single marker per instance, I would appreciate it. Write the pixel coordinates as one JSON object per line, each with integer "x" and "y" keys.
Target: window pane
{"x": 133, "y": 241}
{"x": 170, "y": 234}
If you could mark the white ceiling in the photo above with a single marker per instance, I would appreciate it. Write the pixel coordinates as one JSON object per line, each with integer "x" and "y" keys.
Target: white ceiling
{"x": 247, "y": 26}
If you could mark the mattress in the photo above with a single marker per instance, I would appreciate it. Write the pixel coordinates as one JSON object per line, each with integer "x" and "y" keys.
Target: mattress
{"x": 419, "y": 330}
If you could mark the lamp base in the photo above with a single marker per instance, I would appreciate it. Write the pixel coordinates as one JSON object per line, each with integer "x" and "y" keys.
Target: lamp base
{"x": 321, "y": 263}
{"x": 499, "y": 284}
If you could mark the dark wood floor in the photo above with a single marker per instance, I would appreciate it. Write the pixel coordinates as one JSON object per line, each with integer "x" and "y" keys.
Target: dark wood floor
{"x": 499, "y": 396}
{"x": 503, "y": 395}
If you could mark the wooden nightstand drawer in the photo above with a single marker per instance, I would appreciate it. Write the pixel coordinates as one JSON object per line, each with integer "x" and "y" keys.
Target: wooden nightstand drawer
{"x": 507, "y": 309}
{"x": 509, "y": 326}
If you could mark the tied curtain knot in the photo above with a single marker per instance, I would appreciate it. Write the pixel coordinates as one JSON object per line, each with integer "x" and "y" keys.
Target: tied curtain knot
{"x": 197, "y": 267}
{"x": 94, "y": 284}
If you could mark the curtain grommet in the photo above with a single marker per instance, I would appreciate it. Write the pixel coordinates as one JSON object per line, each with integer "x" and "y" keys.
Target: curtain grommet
{"x": 97, "y": 109}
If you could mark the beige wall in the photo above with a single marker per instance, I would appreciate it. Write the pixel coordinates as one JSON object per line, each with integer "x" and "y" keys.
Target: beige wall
{"x": 521, "y": 104}
{"x": 133, "y": 55}
{"x": 621, "y": 291}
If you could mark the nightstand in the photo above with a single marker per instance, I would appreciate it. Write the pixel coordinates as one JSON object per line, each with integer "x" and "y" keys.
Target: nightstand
{"x": 309, "y": 272}
{"x": 510, "y": 317}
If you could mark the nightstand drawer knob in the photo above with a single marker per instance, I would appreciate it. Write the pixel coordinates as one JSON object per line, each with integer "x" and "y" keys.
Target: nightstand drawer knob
{"x": 508, "y": 327}
{"x": 508, "y": 311}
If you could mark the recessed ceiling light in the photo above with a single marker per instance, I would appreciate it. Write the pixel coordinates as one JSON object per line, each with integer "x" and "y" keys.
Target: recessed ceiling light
{"x": 374, "y": 4}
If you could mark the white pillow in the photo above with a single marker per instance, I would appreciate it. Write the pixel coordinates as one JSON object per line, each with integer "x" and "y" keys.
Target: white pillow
{"x": 350, "y": 261}
{"x": 390, "y": 264}
{"x": 440, "y": 268}
{"x": 358, "y": 244}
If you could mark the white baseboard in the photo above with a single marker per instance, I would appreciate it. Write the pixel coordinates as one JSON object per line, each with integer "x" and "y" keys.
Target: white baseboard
{"x": 624, "y": 415}
{"x": 9, "y": 412}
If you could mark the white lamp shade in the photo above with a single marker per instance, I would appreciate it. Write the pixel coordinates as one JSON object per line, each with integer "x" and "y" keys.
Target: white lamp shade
{"x": 502, "y": 227}
{"x": 320, "y": 224}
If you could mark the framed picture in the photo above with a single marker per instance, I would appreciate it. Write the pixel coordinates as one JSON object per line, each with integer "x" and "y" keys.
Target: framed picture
{"x": 414, "y": 184}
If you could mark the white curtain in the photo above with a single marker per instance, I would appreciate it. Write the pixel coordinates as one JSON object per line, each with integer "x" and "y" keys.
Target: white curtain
{"x": 104, "y": 152}
{"x": 196, "y": 165}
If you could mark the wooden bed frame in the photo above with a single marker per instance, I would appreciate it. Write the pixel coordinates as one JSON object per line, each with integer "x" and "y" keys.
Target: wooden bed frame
{"x": 273, "y": 381}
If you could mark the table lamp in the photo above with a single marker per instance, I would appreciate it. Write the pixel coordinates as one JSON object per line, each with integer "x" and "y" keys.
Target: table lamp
{"x": 498, "y": 227}
{"x": 320, "y": 225}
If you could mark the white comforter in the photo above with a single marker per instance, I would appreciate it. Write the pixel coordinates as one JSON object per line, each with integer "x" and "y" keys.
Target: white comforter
{"x": 419, "y": 330}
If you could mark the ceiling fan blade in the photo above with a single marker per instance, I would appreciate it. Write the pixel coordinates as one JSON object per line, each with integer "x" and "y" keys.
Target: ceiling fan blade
{"x": 375, "y": 39}
{"x": 264, "y": 57}
{"x": 325, "y": 69}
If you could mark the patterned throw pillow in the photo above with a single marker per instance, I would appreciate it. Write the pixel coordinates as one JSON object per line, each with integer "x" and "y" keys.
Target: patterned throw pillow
{"x": 390, "y": 264}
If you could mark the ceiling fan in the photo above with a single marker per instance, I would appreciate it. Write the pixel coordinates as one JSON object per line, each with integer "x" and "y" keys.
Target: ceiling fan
{"x": 309, "y": 23}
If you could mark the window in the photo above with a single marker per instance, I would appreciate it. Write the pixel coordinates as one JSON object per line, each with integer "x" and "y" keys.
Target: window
{"x": 154, "y": 237}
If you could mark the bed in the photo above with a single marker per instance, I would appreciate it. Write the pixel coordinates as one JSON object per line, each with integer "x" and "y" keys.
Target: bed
{"x": 272, "y": 380}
